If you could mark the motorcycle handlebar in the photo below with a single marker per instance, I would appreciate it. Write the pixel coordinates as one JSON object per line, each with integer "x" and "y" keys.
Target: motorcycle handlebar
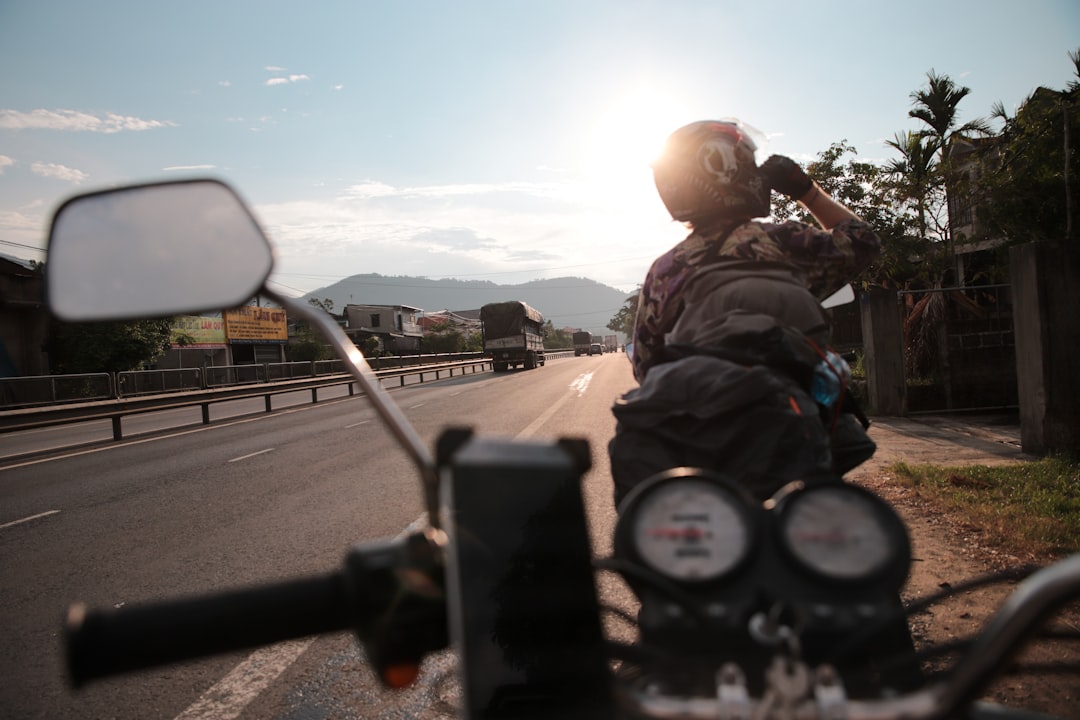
{"x": 107, "y": 642}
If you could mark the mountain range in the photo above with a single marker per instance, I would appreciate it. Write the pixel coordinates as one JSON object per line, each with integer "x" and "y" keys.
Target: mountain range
{"x": 568, "y": 302}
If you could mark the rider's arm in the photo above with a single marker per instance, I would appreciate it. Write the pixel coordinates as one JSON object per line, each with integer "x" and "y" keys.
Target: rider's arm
{"x": 825, "y": 210}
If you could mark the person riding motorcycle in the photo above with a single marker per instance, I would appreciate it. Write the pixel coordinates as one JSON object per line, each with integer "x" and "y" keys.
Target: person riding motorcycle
{"x": 727, "y": 308}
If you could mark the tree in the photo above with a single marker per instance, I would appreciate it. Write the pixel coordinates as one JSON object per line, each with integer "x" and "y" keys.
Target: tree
{"x": 623, "y": 322}
{"x": 1028, "y": 190}
{"x": 306, "y": 345}
{"x": 446, "y": 337}
{"x": 556, "y": 339}
{"x": 937, "y": 107}
{"x": 915, "y": 176}
{"x": 865, "y": 188}
{"x": 370, "y": 347}
{"x": 326, "y": 304}
{"x": 107, "y": 346}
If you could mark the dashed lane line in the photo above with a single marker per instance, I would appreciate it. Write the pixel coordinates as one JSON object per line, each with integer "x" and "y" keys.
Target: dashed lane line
{"x": 28, "y": 519}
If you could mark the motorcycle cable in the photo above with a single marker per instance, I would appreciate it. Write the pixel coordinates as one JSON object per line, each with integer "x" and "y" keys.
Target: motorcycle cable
{"x": 858, "y": 640}
{"x": 657, "y": 582}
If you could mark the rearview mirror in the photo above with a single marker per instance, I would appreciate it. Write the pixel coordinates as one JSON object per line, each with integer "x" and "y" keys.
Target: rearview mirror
{"x": 154, "y": 250}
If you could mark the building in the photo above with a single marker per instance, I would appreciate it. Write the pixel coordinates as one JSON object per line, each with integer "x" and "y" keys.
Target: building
{"x": 24, "y": 322}
{"x": 973, "y": 245}
{"x": 396, "y": 327}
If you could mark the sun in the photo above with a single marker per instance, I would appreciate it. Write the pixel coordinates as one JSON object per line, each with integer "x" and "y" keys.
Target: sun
{"x": 625, "y": 135}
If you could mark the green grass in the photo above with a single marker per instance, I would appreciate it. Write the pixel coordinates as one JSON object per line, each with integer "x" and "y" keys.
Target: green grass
{"x": 1030, "y": 507}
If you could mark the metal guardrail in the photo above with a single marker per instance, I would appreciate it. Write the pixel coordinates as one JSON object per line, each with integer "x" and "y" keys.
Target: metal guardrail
{"x": 147, "y": 382}
{"x": 36, "y": 391}
{"x": 114, "y": 409}
{"x": 30, "y": 390}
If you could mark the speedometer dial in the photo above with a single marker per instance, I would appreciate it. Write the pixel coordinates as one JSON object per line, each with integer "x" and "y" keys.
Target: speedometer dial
{"x": 840, "y": 533}
{"x": 691, "y": 529}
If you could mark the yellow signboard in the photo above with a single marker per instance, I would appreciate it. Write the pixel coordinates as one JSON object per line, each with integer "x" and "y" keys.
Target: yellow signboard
{"x": 198, "y": 332}
{"x": 250, "y": 324}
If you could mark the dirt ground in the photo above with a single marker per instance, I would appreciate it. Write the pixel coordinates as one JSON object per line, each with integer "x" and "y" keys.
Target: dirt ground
{"x": 946, "y": 551}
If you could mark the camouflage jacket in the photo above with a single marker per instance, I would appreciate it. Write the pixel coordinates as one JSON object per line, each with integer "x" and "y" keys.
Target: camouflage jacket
{"x": 821, "y": 260}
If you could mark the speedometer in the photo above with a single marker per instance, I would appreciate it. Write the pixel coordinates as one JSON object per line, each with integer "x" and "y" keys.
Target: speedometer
{"x": 842, "y": 533}
{"x": 692, "y": 528}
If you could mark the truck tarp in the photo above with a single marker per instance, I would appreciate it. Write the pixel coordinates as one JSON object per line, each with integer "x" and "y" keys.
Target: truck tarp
{"x": 505, "y": 318}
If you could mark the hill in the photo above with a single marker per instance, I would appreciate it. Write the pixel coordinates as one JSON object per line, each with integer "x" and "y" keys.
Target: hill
{"x": 567, "y": 302}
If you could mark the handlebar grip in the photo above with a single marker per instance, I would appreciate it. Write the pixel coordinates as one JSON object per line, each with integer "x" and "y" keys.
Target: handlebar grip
{"x": 108, "y": 642}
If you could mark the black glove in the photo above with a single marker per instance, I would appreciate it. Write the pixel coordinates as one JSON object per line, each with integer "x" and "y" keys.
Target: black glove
{"x": 784, "y": 175}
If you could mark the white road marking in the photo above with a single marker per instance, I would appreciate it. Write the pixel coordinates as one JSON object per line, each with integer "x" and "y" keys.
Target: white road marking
{"x": 357, "y": 424}
{"x": 413, "y": 407}
{"x": 203, "y": 428}
{"x": 251, "y": 455}
{"x": 28, "y": 519}
{"x": 579, "y": 384}
{"x": 228, "y": 698}
{"x": 234, "y": 692}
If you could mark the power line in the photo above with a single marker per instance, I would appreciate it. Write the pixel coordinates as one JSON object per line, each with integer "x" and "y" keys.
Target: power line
{"x": 20, "y": 245}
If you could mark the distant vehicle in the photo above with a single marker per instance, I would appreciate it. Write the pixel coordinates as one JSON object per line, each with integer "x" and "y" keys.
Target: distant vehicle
{"x": 611, "y": 343}
{"x": 596, "y": 349}
{"x": 582, "y": 340}
{"x": 513, "y": 335}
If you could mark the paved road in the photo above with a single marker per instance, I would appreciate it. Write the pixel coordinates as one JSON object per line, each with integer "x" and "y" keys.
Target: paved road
{"x": 274, "y": 496}
{"x": 249, "y": 500}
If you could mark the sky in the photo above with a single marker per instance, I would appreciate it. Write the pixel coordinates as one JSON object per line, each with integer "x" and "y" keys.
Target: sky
{"x": 500, "y": 140}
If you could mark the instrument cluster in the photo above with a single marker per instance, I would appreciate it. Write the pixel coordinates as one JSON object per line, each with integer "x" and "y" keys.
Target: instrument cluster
{"x": 827, "y": 550}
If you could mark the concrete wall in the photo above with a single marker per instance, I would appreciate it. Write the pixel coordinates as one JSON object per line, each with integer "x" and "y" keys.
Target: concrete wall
{"x": 24, "y": 321}
{"x": 1047, "y": 322}
{"x": 883, "y": 353}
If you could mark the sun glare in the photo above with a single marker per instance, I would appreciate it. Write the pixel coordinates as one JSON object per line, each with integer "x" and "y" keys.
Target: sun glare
{"x": 626, "y": 136}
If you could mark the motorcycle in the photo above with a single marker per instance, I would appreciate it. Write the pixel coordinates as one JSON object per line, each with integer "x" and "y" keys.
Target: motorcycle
{"x": 747, "y": 609}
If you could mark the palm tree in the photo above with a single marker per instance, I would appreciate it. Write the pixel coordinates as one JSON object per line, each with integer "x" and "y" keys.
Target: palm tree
{"x": 915, "y": 171}
{"x": 937, "y": 107}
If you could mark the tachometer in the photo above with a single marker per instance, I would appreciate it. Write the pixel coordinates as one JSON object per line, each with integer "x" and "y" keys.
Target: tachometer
{"x": 842, "y": 532}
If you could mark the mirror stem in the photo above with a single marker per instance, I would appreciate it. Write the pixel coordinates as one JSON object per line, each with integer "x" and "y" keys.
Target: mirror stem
{"x": 358, "y": 367}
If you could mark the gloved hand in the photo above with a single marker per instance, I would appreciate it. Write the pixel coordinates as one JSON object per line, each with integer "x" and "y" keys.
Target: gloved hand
{"x": 784, "y": 175}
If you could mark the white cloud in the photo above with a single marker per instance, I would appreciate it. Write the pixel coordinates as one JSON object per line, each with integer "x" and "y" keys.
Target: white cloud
{"x": 504, "y": 232}
{"x": 23, "y": 230}
{"x": 17, "y": 221}
{"x": 287, "y": 80}
{"x": 224, "y": 83}
{"x": 76, "y": 121}
{"x": 181, "y": 168}
{"x": 4, "y": 162}
{"x": 58, "y": 172}
{"x": 372, "y": 189}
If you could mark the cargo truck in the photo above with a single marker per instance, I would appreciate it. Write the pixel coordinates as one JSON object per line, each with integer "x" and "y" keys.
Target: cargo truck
{"x": 582, "y": 340}
{"x": 513, "y": 335}
{"x": 611, "y": 343}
